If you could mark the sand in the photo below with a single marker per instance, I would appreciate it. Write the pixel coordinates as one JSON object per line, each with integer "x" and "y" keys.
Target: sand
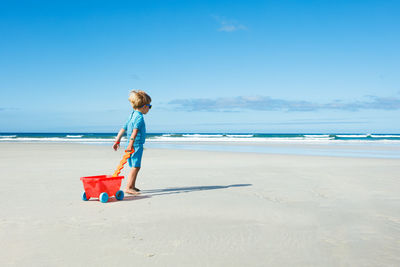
{"x": 198, "y": 208}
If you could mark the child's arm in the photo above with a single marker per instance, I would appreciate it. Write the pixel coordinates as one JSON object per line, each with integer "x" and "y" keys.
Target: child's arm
{"x": 132, "y": 139}
{"x": 118, "y": 139}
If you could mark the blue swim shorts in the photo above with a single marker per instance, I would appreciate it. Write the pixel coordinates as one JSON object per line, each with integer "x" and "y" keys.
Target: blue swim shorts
{"x": 136, "y": 158}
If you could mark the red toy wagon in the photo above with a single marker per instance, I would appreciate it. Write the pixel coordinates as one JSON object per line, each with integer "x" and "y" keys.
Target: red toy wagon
{"x": 105, "y": 186}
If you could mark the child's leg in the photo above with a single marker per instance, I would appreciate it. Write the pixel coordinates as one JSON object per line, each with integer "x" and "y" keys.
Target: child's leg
{"x": 132, "y": 180}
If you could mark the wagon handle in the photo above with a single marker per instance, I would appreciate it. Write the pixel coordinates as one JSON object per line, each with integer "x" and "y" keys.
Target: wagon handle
{"x": 123, "y": 161}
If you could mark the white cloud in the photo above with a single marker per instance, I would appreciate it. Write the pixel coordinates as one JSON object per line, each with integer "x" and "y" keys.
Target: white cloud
{"x": 266, "y": 103}
{"x": 226, "y": 25}
{"x": 9, "y": 109}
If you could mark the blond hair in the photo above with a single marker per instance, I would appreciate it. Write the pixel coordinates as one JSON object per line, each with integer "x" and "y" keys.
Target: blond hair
{"x": 139, "y": 98}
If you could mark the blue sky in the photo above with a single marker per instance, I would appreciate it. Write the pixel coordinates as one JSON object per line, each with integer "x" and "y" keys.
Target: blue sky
{"x": 209, "y": 66}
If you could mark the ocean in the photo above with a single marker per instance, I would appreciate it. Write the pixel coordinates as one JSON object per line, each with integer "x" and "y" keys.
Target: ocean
{"x": 107, "y": 138}
{"x": 330, "y": 144}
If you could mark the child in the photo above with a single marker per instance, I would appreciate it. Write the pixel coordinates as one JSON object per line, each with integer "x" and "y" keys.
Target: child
{"x": 135, "y": 129}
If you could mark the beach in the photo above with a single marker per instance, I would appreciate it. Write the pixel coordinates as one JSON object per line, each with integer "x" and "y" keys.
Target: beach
{"x": 198, "y": 208}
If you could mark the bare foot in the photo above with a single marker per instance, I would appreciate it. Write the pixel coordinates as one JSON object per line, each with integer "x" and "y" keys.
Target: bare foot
{"x": 131, "y": 191}
{"x": 136, "y": 189}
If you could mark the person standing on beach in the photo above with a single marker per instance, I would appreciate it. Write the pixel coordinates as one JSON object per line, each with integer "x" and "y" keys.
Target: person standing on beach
{"x": 135, "y": 129}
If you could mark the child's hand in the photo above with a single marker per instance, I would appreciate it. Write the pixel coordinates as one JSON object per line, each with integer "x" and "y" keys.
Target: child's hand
{"x": 129, "y": 148}
{"x": 116, "y": 146}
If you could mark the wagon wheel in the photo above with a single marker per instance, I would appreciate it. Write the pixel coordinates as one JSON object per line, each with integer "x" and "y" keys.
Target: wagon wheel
{"x": 119, "y": 195}
{"x": 103, "y": 197}
{"x": 84, "y": 197}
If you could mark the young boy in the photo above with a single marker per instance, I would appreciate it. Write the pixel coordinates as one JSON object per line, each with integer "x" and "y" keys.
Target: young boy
{"x": 135, "y": 129}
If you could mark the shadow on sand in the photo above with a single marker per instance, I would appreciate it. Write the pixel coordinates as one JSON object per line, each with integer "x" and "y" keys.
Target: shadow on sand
{"x": 179, "y": 190}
